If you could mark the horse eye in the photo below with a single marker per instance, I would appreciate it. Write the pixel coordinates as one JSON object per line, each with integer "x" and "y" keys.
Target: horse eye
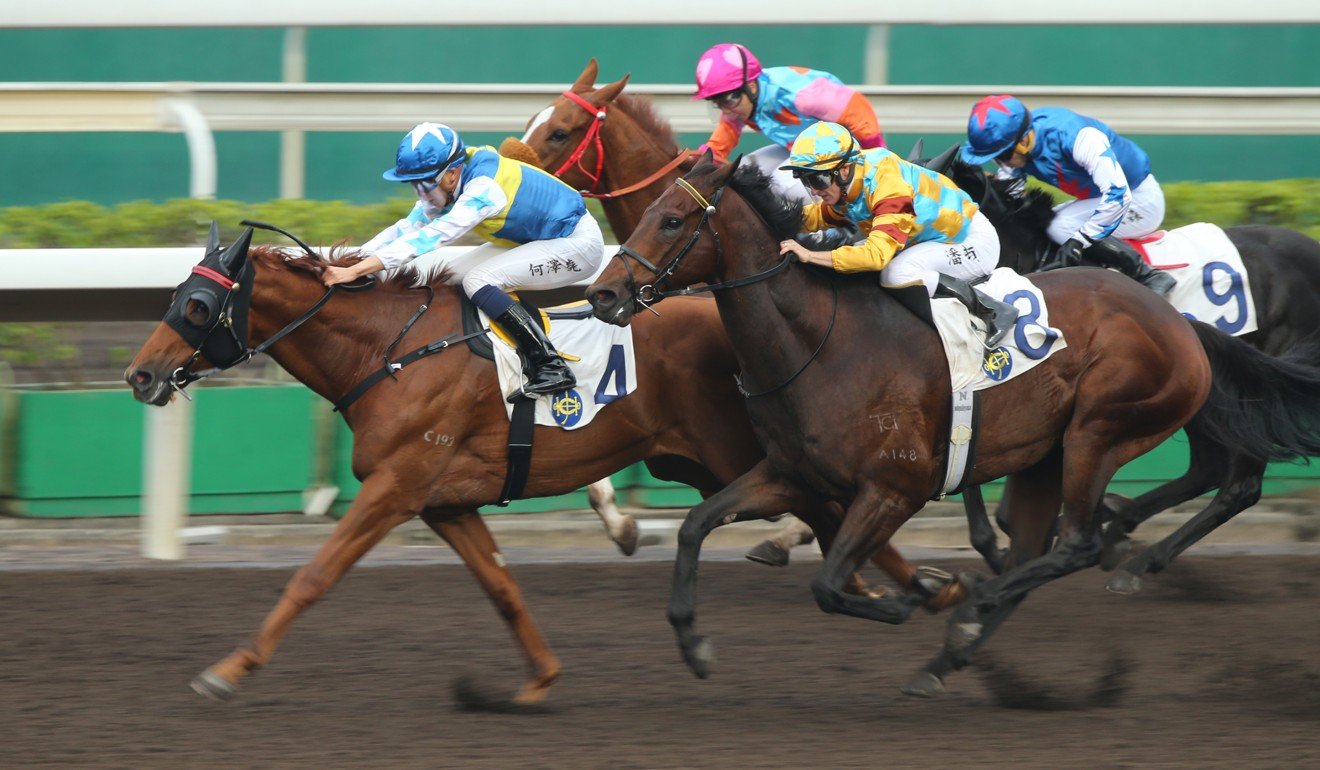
{"x": 671, "y": 223}
{"x": 558, "y": 135}
{"x": 197, "y": 312}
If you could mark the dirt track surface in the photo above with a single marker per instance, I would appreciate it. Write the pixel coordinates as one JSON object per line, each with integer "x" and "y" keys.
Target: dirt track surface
{"x": 95, "y": 665}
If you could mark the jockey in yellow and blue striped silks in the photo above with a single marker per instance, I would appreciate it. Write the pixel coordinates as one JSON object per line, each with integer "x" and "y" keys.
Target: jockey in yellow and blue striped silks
{"x": 538, "y": 232}
{"x": 919, "y": 227}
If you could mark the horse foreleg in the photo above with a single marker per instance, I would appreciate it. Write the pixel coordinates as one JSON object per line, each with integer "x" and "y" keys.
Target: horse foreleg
{"x": 372, "y": 515}
{"x": 979, "y": 531}
{"x": 622, "y": 528}
{"x": 869, "y": 523}
{"x": 467, "y": 534}
{"x": 757, "y": 494}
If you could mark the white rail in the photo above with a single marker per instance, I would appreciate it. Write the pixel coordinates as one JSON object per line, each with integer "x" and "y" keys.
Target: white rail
{"x": 199, "y": 109}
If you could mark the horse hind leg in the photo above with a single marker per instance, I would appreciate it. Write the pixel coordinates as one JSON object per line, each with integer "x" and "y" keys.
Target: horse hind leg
{"x": 621, "y": 527}
{"x": 1239, "y": 491}
{"x": 1209, "y": 463}
{"x": 774, "y": 550}
{"x": 468, "y": 535}
{"x": 374, "y": 512}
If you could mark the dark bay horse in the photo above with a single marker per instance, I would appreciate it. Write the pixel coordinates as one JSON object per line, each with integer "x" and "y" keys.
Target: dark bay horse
{"x": 827, "y": 352}
{"x": 1283, "y": 268}
{"x": 685, "y": 420}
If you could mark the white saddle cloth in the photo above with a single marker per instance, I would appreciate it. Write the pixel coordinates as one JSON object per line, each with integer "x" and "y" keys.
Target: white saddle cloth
{"x": 1212, "y": 281}
{"x": 1031, "y": 341}
{"x": 604, "y": 367}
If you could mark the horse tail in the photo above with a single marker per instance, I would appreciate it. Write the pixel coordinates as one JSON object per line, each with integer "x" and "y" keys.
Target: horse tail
{"x": 1264, "y": 406}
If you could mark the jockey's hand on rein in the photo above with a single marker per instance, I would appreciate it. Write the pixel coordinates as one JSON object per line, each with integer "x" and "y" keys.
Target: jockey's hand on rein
{"x": 1070, "y": 253}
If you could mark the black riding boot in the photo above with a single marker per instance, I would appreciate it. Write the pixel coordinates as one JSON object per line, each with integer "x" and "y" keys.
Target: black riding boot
{"x": 546, "y": 372}
{"x": 1116, "y": 253}
{"x": 998, "y": 317}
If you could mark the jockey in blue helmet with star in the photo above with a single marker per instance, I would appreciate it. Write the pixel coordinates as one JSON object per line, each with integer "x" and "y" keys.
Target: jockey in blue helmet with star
{"x": 538, "y": 232}
{"x": 1116, "y": 195}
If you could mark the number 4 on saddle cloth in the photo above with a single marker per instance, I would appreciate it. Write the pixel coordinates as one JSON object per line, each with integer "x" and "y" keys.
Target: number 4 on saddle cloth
{"x": 1213, "y": 285}
{"x": 600, "y": 356}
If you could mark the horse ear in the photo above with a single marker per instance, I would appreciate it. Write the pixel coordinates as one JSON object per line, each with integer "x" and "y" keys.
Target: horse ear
{"x": 726, "y": 173}
{"x": 587, "y": 80}
{"x": 915, "y": 155}
{"x": 234, "y": 257}
{"x": 611, "y": 92}
{"x": 943, "y": 163}
{"x": 213, "y": 240}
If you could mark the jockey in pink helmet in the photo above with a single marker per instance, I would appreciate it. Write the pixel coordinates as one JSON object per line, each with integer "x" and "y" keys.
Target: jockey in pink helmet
{"x": 779, "y": 102}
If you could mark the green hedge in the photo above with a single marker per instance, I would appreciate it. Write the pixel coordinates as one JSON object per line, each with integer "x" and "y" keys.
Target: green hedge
{"x": 1293, "y": 203}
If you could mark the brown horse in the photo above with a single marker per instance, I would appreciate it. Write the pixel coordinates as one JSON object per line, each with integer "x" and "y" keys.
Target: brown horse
{"x": 638, "y": 154}
{"x": 824, "y": 353}
{"x": 685, "y": 419}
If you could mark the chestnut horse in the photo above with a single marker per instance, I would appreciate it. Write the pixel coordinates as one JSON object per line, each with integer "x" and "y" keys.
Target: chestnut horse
{"x": 1283, "y": 268}
{"x": 685, "y": 419}
{"x": 824, "y": 352}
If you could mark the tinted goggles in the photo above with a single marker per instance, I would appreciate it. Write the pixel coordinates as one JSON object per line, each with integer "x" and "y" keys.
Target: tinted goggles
{"x": 425, "y": 186}
{"x": 727, "y": 100}
{"x": 815, "y": 180}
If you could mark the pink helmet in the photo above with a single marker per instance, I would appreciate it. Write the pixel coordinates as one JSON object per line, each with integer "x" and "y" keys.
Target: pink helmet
{"x": 725, "y": 67}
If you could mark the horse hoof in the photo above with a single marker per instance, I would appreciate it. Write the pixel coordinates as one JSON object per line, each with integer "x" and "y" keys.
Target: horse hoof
{"x": 627, "y": 539}
{"x": 769, "y": 552}
{"x": 699, "y": 657}
{"x": 1125, "y": 583}
{"x": 211, "y": 685}
{"x": 923, "y": 685}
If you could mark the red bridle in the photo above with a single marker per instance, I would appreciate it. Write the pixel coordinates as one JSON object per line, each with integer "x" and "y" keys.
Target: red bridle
{"x": 592, "y": 138}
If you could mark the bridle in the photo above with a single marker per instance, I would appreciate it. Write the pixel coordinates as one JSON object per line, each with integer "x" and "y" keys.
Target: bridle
{"x": 592, "y": 138}
{"x": 232, "y": 316}
{"x": 648, "y": 295}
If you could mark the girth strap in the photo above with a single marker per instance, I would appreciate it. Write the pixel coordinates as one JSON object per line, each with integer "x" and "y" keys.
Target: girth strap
{"x": 522, "y": 427}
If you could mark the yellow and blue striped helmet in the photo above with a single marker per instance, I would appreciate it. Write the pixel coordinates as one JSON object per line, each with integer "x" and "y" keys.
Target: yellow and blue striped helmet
{"x": 822, "y": 147}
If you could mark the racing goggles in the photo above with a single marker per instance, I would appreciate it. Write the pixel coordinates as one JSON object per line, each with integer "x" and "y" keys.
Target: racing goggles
{"x": 425, "y": 186}
{"x": 815, "y": 180}
{"x": 727, "y": 100}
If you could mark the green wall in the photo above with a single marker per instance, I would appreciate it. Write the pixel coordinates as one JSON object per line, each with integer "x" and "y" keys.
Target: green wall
{"x": 112, "y": 168}
{"x": 255, "y": 449}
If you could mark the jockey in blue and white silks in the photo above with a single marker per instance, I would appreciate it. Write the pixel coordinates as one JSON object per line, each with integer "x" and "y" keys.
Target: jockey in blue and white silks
{"x": 538, "y": 232}
{"x": 1116, "y": 194}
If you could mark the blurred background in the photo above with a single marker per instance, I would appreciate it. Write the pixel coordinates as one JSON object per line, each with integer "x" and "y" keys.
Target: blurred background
{"x": 129, "y": 128}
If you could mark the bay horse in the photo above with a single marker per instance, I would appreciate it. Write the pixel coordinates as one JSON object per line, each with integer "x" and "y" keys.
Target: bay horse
{"x": 824, "y": 352}
{"x": 431, "y": 440}
{"x": 1283, "y": 270}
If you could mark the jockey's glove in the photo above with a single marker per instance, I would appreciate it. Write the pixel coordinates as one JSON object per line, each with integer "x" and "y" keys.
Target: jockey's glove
{"x": 1070, "y": 252}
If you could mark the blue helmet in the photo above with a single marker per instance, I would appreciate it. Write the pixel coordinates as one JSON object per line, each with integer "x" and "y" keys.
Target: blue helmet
{"x": 427, "y": 150}
{"x": 995, "y": 125}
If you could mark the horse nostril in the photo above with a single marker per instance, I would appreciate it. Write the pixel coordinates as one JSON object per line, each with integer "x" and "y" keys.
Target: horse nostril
{"x": 603, "y": 298}
{"x": 142, "y": 378}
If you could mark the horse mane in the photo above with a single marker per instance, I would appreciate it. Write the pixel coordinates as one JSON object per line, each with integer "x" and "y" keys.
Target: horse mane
{"x": 783, "y": 215}
{"x": 341, "y": 255}
{"x": 642, "y": 110}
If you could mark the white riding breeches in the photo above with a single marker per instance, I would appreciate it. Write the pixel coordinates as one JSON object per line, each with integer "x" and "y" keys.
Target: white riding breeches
{"x": 545, "y": 264}
{"x": 976, "y": 257}
{"x": 1144, "y": 215}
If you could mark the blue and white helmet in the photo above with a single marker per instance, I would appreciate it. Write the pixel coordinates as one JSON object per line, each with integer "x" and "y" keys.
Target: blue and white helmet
{"x": 996, "y": 124}
{"x": 427, "y": 151}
